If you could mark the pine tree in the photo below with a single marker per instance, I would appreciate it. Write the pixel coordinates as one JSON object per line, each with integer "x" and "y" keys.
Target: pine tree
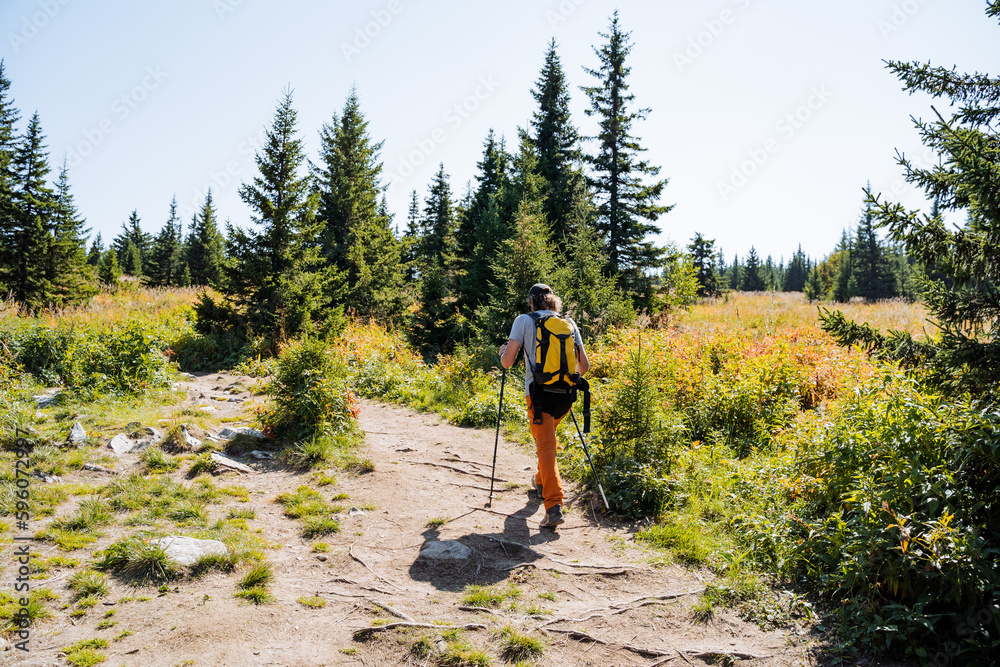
{"x": 437, "y": 243}
{"x": 357, "y": 237}
{"x": 842, "y": 266}
{"x": 205, "y": 246}
{"x": 69, "y": 273}
{"x": 735, "y": 273}
{"x": 275, "y": 281}
{"x": 813, "y": 288}
{"x": 33, "y": 220}
{"x": 166, "y": 254}
{"x": 8, "y": 149}
{"x": 556, "y": 143}
{"x": 752, "y": 278}
{"x": 132, "y": 234}
{"x": 962, "y": 288}
{"x": 108, "y": 270}
{"x": 703, "y": 259}
{"x": 624, "y": 201}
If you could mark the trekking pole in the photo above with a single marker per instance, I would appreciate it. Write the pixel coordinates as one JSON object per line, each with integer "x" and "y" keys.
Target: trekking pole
{"x": 590, "y": 460}
{"x": 496, "y": 443}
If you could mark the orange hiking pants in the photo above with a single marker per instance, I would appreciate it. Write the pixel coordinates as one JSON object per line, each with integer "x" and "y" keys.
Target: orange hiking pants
{"x": 545, "y": 440}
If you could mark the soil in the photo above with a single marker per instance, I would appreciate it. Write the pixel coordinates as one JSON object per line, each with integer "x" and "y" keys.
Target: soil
{"x": 605, "y": 610}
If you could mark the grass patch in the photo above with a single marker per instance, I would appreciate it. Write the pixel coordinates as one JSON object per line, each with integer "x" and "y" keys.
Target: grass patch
{"x": 89, "y": 583}
{"x": 35, "y": 612}
{"x": 308, "y": 505}
{"x": 321, "y": 547}
{"x": 256, "y": 594}
{"x": 691, "y": 541}
{"x": 312, "y": 601}
{"x": 156, "y": 460}
{"x": 459, "y": 652}
{"x": 138, "y": 561}
{"x": 86, "y": 653}
{"x": 517, "y": 645}
{"x": 438, "y": 522}
{"x": 490, "y": 596}
{"x": 259, "y": 575}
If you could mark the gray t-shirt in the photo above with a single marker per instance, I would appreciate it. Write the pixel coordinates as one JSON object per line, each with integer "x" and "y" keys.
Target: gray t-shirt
{"x": 523, "y": 331}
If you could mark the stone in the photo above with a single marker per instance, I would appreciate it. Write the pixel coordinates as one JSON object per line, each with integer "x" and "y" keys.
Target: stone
{"x": 48, "y": 479}
{"x": 261, "y": 455}
{"x": 207, "y": 408}
{"x": 321, "y": 558}
{"x": 355, "y": 512}
{"x": 188, "y": 376}
{"x": 77, "y": 434}
{"x": 190, "y": 441}
{"x": 445, "y": 550}
{"x": 121, "y": 444}
{"x": 46, "y": 398}
{"x": 187, "y": 550}
{"x": 230, "y": 433}
{"x": 155, "y": 432}
{"x": 224, "y": 460}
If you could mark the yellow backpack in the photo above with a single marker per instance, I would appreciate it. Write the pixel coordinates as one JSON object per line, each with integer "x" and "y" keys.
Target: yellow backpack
{"x": 554, "y": 368}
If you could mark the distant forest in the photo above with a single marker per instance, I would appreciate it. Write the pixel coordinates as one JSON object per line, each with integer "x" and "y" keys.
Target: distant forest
{"x": 575, "y": 210}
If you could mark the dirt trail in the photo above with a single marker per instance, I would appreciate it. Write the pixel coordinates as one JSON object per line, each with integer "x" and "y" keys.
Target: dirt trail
{"x": 587, "y": 586}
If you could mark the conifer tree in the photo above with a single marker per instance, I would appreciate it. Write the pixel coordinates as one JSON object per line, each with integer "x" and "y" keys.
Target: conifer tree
{"x": 411, "y": 239}
{"x": 797, "y": 272}
{"x": 357, "y": 237}
{"x": 33, "y": 220}
{"x": 437, "y": 243}
{"x": 735, "y": 273}
{"x": 8, "y": 149}
{"x": 205, "y": 246}
{"x": 132, "y": 234}
{"x": 752, "y": 278}
{"x": 703, "y": 259}
{"x": 813, "y": 288}
{"x": 842, "y": 261}
{"x": 275, "y": 281}
{"x": 96, "y": 251}
{"x": 556, "y": 143}
{"x": 67, "y": 267}
{"x": 166, "y": 254}
{"x": 962, "y": 287}
{"x": 108, "y": 270}
{"x": 625, "y": 202}
{"x": 870, "y": 263}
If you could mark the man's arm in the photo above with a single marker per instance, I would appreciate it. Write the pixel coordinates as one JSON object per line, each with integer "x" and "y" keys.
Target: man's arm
{"x": 582, "y": 362}
{"x": 508, "y": 353}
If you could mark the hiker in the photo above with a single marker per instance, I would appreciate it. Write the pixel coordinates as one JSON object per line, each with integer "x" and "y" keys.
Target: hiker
{"x": 546, "y": 408}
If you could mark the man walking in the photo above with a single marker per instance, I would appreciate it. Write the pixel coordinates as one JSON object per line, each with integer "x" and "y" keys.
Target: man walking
{"x": 547, "y": 404}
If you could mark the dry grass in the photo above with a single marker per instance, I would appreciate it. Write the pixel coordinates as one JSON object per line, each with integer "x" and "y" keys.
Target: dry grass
{"x": 766, "y": 313}
{"x": 129, "y": 303}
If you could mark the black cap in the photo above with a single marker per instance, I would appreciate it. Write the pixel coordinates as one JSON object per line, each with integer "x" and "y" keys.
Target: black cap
{"x": 539, "y": 288}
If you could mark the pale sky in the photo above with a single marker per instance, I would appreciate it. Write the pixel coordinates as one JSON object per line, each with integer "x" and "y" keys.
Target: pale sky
{"x": 767, "y": 116}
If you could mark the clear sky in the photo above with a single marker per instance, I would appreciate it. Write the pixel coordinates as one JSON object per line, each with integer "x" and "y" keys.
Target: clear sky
{"x": 767, "y": 116}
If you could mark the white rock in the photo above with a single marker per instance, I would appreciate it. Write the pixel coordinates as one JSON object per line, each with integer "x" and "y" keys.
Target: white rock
{"x": 258, "y": 454}
{"x": 188, "y": 376}
{"x": 207, "y": 408}
{"x": 445, "y": 550}
{"x": 224, "y": 460}
{"x": 45, "y": 399}
{"x": 355, "y": 512}
{"x": 190, "y": 440}
{"x": 121, "y": 444}
{"x": 155, "y": 432}
{"x": 187, "y": 550}
{"x": 230, "y": 433}
{"x": 77, "y": 434}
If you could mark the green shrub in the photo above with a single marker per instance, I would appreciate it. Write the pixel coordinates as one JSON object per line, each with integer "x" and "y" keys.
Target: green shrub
{"x": 901, "y": 527}
{"x": 310, "y": 391}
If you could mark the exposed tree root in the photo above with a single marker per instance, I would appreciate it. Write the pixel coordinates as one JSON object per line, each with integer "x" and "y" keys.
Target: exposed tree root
{"x": 364, "y": 632}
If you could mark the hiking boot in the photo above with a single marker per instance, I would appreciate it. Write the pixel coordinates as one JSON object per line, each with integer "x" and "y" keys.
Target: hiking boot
{"x": 536, "y": 486}
{"x": 553, "y": 518}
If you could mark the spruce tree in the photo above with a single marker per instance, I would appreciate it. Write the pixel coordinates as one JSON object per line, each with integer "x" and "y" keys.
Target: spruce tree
{"x": 96, "y": 251}
{"x": 166, "y": 254}
{"x": 962, "y": 287}
{"x": 437, "y": 243}
{"x": 108, "y": 270}
{"x": 735, "y": 273}
{"x": 702, "y": 252}
{"x": 752, "y": 278}
{"x": 797, "y": 272}
{"x": 842, "y": 267}
{"x": 870, "y": 262}
{"x": 34, "y": 209}
{"x": 275, "y": 281}
{"x": 69, "y": 273}
{"x": 556, "y": 143}
{"x": 813, "y": 289}
{"x": 411, "y": 239}
{"x": 132, "y": 234}
{"x": 625, "y": 202}
{"x": 357, "y": 238}
{"x": 8, "y": 149}
{"x": 205, "y": 246}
